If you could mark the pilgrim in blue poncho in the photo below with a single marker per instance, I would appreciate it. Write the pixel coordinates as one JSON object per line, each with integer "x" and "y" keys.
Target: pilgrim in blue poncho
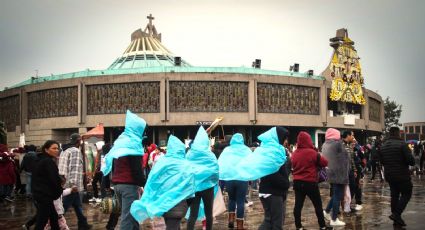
{"x": 205, "y": 166}
{"x": 203, "y": 161}
{"x": 129, "y": 143}
{"x": 169, "y": 182}
{"x": 231, "y": 156}
{"x": 265, "y": 160}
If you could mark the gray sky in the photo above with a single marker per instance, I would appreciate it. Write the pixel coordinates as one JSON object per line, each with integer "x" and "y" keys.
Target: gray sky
{"x": 67, "y": 36}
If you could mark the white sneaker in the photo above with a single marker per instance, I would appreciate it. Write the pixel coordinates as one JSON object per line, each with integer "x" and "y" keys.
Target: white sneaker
{"x": 98, "y": 200}
{"x": 337, "y": 222}
{"x": 92, "y": 200}
{"x": 358, "y": 207}
{"x": 327, "y": 215}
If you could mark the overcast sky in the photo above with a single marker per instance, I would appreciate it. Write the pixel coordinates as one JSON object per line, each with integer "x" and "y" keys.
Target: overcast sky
{"x": 54, "y": 37}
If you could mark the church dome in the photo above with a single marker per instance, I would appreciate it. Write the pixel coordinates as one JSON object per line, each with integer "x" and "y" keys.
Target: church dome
{"x": 145, "y": 50}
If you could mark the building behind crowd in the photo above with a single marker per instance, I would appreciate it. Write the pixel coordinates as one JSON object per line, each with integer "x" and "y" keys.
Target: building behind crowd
{"x": 175, "y": 97}
{"x": 414, "y": 131}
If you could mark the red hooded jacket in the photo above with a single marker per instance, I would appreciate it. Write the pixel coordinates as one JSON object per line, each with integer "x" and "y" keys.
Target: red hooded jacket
{"x": 304, "y": 159}
{"x": 7, "y": 170}
{"x": 150, "y": 148}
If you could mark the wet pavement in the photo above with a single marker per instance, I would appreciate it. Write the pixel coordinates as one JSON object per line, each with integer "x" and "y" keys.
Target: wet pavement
{"x": 376, "y": 209}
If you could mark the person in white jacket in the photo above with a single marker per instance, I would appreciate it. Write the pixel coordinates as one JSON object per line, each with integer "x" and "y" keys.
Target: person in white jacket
{"x": 60, "y": 210}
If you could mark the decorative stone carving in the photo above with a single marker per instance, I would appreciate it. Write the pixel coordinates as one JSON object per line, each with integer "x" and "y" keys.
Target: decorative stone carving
{"x": 10, "y": 112}
{"x": 60, "y": 102}
{"x": 139, "y": 97}
{"x": 208, "y": 96}
{"x": 374, "y": 110}
{"x": 290, "y": 99}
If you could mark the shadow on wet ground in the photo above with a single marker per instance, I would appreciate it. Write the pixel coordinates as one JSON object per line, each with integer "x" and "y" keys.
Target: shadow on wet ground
{"x": 376, "y": 209}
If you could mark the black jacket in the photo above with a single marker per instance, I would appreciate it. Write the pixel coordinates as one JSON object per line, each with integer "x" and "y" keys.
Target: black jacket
{"x": 277, "y": 183}
{"x": 396, "y": 157}
{"x": 46, "y": 183}
{"x": 28, "y": 163}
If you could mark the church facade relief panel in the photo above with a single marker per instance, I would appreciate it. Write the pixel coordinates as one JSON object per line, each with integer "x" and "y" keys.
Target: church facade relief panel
{"x": 374, "y": 110}
{"x": 289, "y": 99}
{"x": 10, "y": 112}
{"x": 139, "y": 97}
{"x": 208, "y": 96}
{"x": 61, "y": 102}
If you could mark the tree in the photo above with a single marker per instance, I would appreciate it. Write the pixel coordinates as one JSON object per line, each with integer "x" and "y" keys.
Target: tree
{"x": 392, "y": 115}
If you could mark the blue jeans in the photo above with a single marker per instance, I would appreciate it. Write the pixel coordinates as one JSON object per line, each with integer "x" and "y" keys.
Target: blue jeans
{"x": 237, "y": 192}
{"x": 28, "y": 186}
{"x": 74, "y": 200}
{"x": 334, "y": 202}
{"x": 127, "y": 193}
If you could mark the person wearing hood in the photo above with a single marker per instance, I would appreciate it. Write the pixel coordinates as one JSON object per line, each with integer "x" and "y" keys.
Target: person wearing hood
{"x": 205, "y": 166}
{"x": 7, "y": 172}
{"x": 170, "y": 184}
{"x": 337, "y": 171}
{"x": 305, "y": 161}
{"x": 236, "y": 188}
{"x": 46, "y": 185}
{"x": 127, "y": 175}
{"x": 275, "y": 183}
{"x": 147, "y": 168}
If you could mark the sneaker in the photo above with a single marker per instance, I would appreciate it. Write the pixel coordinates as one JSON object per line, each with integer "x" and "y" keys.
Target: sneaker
{"x": 327, "y": 215}
{"x": 358, "y": 207}
{"x": 92, "y": 199}
{"x": 98, "y": 200}
{"x": 337, "y": 222}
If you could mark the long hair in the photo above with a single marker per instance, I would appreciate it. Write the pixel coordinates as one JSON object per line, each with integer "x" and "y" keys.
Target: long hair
{"x": 47, "y": 145}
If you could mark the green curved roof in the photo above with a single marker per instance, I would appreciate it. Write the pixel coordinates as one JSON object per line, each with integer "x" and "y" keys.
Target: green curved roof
{"x": 167, "y": 69}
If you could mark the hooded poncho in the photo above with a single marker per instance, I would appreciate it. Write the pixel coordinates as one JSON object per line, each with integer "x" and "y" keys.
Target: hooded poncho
{"x": 231, "y": 156}
{"x": 265, "y": 160}
{"x": 169, "y": 182}
{"x": 203, "y": 161}
{"x": 129, "y": 143}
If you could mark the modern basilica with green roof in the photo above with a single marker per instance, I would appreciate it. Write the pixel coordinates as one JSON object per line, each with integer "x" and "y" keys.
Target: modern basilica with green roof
{"x": 175, "y": 97}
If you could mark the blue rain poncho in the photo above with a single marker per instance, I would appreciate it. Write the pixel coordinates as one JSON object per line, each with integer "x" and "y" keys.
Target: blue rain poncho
{"x": 231, "y": 156}
{"x": 170, "y": 181}
{"x": 203, "y": 161}
{"x": 265, "y": 160}
{"x": 129, "y": 143}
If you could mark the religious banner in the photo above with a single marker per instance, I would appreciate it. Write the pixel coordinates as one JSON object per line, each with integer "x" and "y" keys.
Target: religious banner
{"x": 346, "y": 72}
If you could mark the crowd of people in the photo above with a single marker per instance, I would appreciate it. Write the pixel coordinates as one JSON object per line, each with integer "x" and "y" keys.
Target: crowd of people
{"x": 182, "y": 181}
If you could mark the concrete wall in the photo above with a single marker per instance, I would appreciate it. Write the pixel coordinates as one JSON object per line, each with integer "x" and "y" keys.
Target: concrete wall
{"x": 39, "y": 130}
